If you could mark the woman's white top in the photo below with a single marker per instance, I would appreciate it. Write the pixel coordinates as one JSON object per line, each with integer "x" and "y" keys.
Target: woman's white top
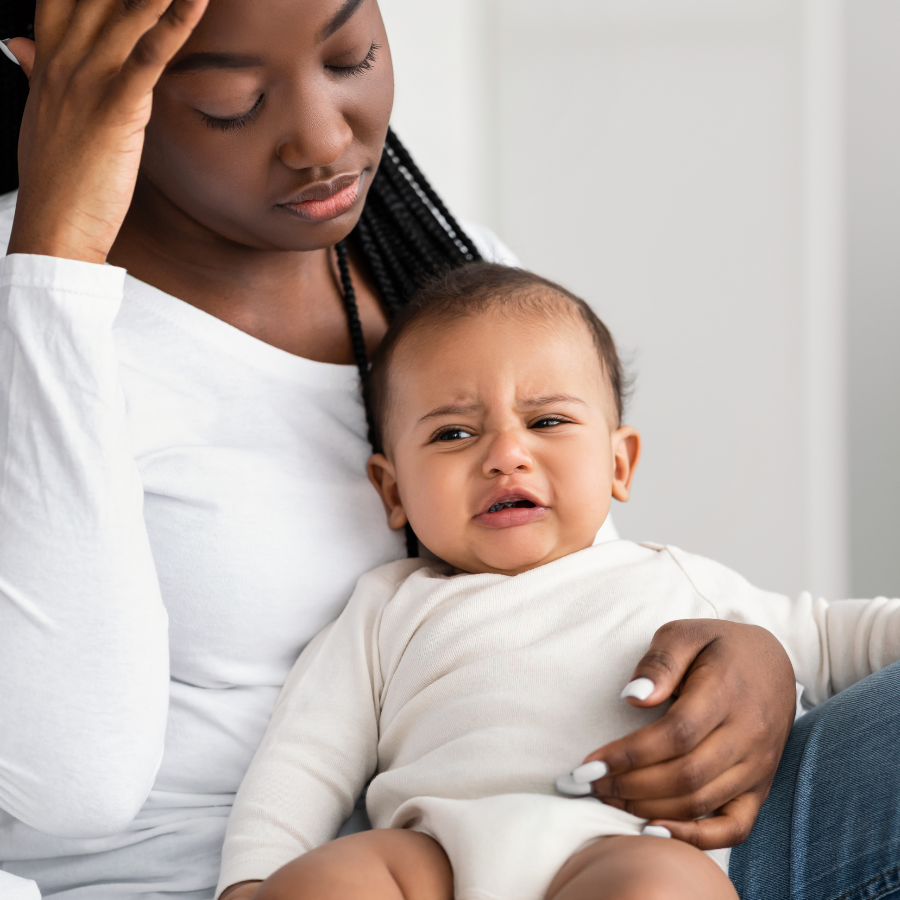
{"x": 182, "y": 507}
{"x": 474, "y": 686}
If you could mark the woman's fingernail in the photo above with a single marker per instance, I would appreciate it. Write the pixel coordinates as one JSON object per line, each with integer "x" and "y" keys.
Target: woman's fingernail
{"x": 639, "y": 689}
{"x": 592, "y": 771}
{"x": 656, "y": 831}
{"x": 567, "y": 785}
{"x": 7, "y": 52}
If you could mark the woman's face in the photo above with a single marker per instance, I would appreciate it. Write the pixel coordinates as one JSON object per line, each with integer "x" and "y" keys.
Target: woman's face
{"x": 268, "y": 127}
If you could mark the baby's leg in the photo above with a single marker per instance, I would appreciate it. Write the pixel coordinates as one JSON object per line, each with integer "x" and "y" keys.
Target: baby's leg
{"x": 640, "y": 868}
{"x": 386, "y": 864}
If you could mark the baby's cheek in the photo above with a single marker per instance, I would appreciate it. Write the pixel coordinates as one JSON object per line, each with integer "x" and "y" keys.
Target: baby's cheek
{"x": 436, "y": 510}
{"x": 584, "y": 503}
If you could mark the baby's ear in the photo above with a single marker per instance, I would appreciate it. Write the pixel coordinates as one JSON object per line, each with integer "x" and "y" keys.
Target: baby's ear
{"x": 384, "y": 478}
{"x": 626, "y": 447}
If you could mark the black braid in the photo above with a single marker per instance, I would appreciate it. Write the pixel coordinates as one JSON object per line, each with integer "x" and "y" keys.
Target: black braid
{"x": 406, "y": 234}
{"x": 404, "y": 237}
{"x": 389, "y": 297}
{"x": 357, "y": 338}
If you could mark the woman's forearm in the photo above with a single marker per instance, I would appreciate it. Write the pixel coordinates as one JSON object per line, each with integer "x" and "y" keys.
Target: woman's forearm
{"x": 83, "y": 632}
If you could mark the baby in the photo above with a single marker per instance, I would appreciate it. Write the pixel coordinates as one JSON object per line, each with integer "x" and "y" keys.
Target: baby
{"x": 468, "y": 687}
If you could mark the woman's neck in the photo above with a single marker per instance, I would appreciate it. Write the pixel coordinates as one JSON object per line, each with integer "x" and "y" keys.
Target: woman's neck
{"x": 290, "y": 299}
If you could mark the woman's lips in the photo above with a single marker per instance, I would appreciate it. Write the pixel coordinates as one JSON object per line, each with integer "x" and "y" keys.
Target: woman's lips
{"x": 322, "y": 209}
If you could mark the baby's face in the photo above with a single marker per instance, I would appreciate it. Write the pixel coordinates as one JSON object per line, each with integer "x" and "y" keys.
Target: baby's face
{"x": 503, "y": 448}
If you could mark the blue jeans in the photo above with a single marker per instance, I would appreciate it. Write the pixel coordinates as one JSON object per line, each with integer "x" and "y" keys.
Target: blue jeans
{"x": 830, "y": 829}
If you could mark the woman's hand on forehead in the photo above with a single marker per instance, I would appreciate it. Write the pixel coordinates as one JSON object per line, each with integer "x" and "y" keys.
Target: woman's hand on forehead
{"x": 91, "y": 69}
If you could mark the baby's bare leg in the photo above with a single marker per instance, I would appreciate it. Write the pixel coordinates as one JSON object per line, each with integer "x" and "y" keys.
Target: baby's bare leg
{"x": 640, "y": 868}
{"x": 386, "y": 864}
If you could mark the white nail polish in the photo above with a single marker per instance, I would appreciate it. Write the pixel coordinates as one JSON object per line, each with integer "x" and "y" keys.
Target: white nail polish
{"x": 589, "y": 772}
{"x": 640, "y": 689}
{"x": 7, "y": 52}
{"x": 567, "y": 785}
{"x": 656, "y": 831}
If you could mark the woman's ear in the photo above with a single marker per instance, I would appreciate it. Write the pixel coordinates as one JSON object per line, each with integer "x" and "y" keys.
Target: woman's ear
{"x": 626, "y": 447}
{"x": 383, "y": 476}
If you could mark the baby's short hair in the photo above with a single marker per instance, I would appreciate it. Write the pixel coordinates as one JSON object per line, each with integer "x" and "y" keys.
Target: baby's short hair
{"x": 470, "y": 290}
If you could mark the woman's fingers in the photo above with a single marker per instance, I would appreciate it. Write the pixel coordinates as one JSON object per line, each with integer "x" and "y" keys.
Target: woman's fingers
{"x": 703, "y": 801}
{"x": 23, "y": 50}
{"x": 86, "y": 23}
{"x": 127, "y": 30}
{"x": 51, "y": 20}
{"x": 672, "y": 652}
{"x": 718, "y": 744}
{"x": 83, "y": 131}
{"x": 691, "y": 718}
{"x": 730, "y": 827}
{"x": 155, "y": 49}
{"x": 741, "y": 676}
{"x": 679, "y": 777}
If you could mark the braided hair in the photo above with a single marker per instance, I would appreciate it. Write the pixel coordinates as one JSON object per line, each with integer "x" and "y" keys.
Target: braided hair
{"x": 404, "y": 237}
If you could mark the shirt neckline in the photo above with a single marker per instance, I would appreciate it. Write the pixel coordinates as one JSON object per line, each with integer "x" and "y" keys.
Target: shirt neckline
{"x": 206, "y": 328}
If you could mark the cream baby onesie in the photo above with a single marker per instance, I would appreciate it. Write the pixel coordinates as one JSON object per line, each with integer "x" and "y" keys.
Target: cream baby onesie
{"x": 465, "y": 696}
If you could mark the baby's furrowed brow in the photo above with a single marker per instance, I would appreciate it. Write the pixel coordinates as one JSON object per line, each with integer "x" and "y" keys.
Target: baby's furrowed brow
{"x": 453, "y": 410}
{"x": 530, "y": 403}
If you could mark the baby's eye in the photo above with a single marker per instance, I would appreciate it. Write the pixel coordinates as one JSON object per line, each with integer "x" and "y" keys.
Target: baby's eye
{"x": 549, "y": 422}
{"x": 454, "y": 434}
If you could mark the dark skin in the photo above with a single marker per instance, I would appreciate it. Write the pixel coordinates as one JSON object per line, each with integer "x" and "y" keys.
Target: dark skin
{"x": 214, "y": 189}
{"x": 120, "y": 161}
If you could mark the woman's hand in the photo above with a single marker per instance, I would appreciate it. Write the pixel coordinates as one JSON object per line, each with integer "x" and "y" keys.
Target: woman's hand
{"x": 92, "y": 69}
{"x": 718, "y": 745}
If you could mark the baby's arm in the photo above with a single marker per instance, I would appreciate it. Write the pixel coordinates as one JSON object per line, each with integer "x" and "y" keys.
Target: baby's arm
{"x": 831, "y": 645}
{"x": 321, "y": 746}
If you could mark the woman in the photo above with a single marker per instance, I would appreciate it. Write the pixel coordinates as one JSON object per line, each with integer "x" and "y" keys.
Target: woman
{"x": 183, "y": 498}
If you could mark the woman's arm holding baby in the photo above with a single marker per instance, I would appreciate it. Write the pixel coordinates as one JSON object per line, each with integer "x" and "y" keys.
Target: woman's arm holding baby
{"x": 718, "y": 745}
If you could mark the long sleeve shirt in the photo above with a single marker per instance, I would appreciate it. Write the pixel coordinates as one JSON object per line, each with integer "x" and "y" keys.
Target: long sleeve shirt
{"x": 182, "y": 507}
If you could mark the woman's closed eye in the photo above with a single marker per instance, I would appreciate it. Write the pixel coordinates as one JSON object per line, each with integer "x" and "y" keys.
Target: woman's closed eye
{"x": 359, "y": 68}
{"x": 237, "y": 121}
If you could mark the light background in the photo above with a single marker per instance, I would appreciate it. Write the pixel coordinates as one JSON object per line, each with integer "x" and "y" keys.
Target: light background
{"x": 721, "y": 181}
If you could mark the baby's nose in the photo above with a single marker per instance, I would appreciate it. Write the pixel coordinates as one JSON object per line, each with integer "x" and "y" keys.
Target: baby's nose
{"x": 507, "y": 454}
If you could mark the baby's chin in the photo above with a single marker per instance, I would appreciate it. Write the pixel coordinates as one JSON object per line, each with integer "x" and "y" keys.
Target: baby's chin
{"x": 514, "y": 556}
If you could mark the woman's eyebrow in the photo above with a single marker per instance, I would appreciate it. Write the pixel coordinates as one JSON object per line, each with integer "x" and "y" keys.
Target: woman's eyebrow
{"x": 197, "y": 62}
{"x": 339, "y": 20}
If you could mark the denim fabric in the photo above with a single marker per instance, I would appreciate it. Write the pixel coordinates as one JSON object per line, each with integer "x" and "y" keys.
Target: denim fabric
{"x": 830, "y": 829}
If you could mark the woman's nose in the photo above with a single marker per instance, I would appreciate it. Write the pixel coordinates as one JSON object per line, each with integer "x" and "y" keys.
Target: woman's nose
{"x": 318, "y": 135}
{"x": 507, "y": 454}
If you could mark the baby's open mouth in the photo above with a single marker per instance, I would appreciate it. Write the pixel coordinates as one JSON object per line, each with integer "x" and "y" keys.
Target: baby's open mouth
{"x": 511, "y": 511}
{"x": 511, "y": 504}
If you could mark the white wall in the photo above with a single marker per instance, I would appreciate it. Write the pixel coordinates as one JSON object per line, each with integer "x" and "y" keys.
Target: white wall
{"x": 873, "y": 36}
{"x": 677, "y": 162}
